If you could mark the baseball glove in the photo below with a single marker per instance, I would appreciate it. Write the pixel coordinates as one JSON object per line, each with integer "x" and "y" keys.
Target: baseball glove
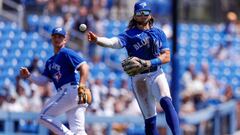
{"x": 134, "y": 65}
{"x": 84, "y": 95}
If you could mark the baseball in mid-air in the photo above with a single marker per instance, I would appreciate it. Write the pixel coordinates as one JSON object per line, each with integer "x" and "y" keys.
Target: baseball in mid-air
{"x": 82, "y": 27}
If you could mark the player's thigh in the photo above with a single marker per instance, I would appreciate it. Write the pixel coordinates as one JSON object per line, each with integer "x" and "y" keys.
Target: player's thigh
{"x": 144, "y": 96}
{"x": 160, "y": 87}
{"x": 60, "y": 103}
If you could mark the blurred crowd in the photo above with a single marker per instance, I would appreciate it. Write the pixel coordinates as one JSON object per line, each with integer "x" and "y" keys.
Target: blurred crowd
{"x": 93, "y": 13}
{"x": 200, "y": 87}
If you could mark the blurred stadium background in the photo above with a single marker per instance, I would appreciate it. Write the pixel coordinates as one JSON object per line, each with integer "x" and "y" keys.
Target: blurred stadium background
{"x": 208, "y": 46}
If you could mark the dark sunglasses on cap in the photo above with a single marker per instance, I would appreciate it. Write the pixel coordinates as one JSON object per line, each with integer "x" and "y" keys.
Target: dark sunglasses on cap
{"x": 143, "y": 12}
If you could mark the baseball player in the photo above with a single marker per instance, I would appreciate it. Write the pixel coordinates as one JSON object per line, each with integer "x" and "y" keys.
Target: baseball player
{"x": 72, "y": 95}
{"x": 148, "y": 50}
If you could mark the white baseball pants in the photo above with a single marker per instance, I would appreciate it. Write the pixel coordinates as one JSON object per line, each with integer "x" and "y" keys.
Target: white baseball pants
{"x": 148, "y": 89}
{"x": 65, "y": 101}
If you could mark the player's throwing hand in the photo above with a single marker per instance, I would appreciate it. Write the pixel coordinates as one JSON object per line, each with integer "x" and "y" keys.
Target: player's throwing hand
{"x": 92, "y": 37}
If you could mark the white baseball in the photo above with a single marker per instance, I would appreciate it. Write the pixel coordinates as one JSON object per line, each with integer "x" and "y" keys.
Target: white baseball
{"x": 83, "y": 27}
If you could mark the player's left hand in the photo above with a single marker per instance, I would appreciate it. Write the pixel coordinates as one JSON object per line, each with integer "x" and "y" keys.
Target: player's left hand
{"x": 24, "y": 73}
{"x": 134, "y": 65}
{"x": 84, "y": 95}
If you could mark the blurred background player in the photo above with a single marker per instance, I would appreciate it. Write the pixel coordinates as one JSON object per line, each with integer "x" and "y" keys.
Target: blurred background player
{"x": 61, "y": 70}
{"x": 149, "y": 44}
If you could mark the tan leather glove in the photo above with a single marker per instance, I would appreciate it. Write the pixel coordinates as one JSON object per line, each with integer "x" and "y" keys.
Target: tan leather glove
{"x": 134, "y": 65}
{"x": 84, "y": 95}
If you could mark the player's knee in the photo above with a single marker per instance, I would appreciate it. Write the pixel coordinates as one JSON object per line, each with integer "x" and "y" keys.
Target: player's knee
{"x": 40, "y": 119}
{"x": 151, "y": 121}
{"x": 43, "y": 118}
{"x": 165, "y": 101}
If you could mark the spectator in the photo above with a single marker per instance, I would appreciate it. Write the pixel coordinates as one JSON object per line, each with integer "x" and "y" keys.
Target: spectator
{"x": 108, "y": 104}
{"x": 186, "y": 8}
{"x": 51, "y": 8}
{"x": 21, "y": 83}
{"x": 99, "y": 91}
{"x": 11, "y": 105}
{"x": 220, "y": 52}
{"x": 21, "y": 98}
{"x": 99, "y": 8}
{"x": 187, "y": 107}
{"x": 69, "y": 6}
{"x": 124, "y": 88}
{"x": 34, "y": 100}
{"x": 68, "y": 21}
{"x": 111, "y": 85}
{"x": 83, "y": 17}
{"x": 34, "y": 67}
{"x": 189, "y": 75}
{"x": 231, "y": 23}
{"x": 3, "y": 98}
{"x": 228, "y": 93}
{"x": 210, "y": 84}
{"x": 121, "y": 10}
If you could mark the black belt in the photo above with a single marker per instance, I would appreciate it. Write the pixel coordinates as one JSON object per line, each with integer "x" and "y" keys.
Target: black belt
{"x": 151, "y": 69}
{"x": 73, "y": 83}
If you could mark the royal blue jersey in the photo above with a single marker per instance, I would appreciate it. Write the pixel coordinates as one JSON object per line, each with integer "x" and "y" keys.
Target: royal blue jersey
{"x": 61, "y": 67}
{"x": 144, "y": 44}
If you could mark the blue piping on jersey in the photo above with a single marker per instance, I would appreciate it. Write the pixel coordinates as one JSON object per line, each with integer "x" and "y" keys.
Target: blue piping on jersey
{"x": 55, "y": 101}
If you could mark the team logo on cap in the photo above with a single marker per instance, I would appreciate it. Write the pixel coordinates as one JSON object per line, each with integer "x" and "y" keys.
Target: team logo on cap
{"x": 144, "y": 4}
{"x": 59, "y": 29}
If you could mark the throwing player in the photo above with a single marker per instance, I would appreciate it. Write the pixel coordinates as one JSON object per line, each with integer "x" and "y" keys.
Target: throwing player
{"x": 71, "y": 87}
{"x": 148, "y": 46}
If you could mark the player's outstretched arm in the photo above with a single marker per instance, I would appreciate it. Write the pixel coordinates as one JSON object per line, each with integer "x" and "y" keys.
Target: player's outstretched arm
{"x": 104, "y": 41}
{"x": 39, "y": 80}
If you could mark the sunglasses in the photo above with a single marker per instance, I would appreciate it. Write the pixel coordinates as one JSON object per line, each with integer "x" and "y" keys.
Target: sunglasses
{"x": 143, "y": 12}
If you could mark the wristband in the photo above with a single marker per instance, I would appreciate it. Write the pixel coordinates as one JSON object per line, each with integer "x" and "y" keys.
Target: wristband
{"x": 155, "y": 62}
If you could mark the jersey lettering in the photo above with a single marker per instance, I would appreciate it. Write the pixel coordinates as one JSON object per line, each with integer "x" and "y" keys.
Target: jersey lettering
{"x": 141, "y": 44}
{"x": 54, "y": 66}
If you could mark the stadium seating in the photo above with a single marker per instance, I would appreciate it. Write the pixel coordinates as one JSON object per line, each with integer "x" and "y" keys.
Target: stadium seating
{"x": 195, "y": 41}
{"x": 17, "y": 48}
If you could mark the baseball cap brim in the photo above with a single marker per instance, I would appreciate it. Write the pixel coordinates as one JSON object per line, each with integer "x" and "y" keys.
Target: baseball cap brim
{"x": 59, "y": 31}
{"x": 143, "y": 10}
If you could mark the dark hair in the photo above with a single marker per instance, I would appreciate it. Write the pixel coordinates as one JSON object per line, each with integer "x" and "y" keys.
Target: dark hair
{"x": 133, "y": 23}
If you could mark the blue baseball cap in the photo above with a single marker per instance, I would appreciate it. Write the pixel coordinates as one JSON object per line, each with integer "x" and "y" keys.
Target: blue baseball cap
{"x": 141, "y": 5}
{"x": 59, "y": 31}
